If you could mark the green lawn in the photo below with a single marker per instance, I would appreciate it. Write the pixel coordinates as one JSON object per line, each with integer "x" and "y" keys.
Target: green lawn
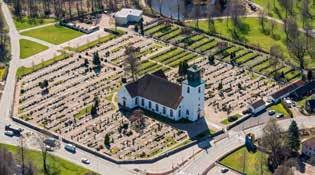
{"x": 251, "y": 33}
{"x": 29, "y": 48}
{"x": 255, "y": 163}
{"x": 26, "y": 23}
{"x": 279, "y": 108}
{"x": 274, "y": 9}
{"x": 54, "y": 34}
{"x": 83, "y": 111}
{"x": 2, "y": 72}
{"x": 65, "y": 167}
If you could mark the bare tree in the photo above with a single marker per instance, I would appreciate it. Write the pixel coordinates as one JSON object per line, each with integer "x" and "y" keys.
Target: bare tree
{"x": 44, "y": 153}
{"x": 305, "y": 12}
{"x": 197, "y": 13}
{"x": 7, "y": 162}
{"x": 298, "y": 49}
{"x": 211, "y": 24}
{"x": 262, "y": 20}
{"x": 273, "y": 141}
{"x": 275, "y": 56}
{"x": 132, "y": 62}
{"x": 235, "y": 10}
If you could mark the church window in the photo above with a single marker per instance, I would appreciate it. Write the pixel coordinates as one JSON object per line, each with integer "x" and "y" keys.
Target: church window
{"x": 150, "y": 104}
{"x": 199, "y": 90}
{"x": 157, "y": 107}
{"x": 142, "y": 102}
{"x": 136, "y": 102}
{"x": 188, "y": 90}
{"x": 171, "y": 112}
{"x": 187, "y": 112}
{"x": 164, "y": 110}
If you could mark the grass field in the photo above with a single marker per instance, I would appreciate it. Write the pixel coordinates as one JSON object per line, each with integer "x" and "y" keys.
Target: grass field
{"x": 26, "y": 23}
{"x": 279, "y": 108}
{"x": 251, "y": 33}
{"x": 64, "y": 167}
{"x": 247, "y": 162}
{"x": 54, "y": 34}
{"x": 274, "y": 9}
{"x": 29, "y": 48}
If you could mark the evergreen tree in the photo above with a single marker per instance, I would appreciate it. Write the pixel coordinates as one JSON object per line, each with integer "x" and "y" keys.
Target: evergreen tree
{"x": 107, "y": 140}
{"x": 96, "y": 59}
{"x": 294, "y": 137}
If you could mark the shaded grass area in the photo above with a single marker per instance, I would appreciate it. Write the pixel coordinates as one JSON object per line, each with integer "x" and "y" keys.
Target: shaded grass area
{"x": 23, "y": 71}
{"x": 29, "y": 48}
{"x": 94, "y": 43}
{"x": 25, "y": 22}
{"x": 247, "y": 162}
{"x": 63, "y": 166}
{"x": 54, "y": 34}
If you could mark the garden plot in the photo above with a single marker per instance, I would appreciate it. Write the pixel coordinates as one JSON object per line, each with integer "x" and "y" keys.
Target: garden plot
{"x": 74, "y": 98}
{"x": 219, "y": 49}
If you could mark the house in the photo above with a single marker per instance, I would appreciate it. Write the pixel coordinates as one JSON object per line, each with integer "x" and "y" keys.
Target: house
{"x": 286, "y": 91}
{"x": 126, "y": 16}
{"x": 155, "y": 93}
{"x": 257, "y": 106}
{"x": 310, "y": 106}
{"x": 308, "y": 147}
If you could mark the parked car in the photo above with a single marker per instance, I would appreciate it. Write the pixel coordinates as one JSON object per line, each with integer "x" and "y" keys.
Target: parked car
{"x": 224, "y": 170}
{"x": 49, "y": 148}
{"x": 271, "y": 112}
{"x": 279, "y": 115}
{"x": 71, "y": 148}
{"x": 85, "y": 161}
{"x": 16, "y": 131}
{"x": 9, "y": 133}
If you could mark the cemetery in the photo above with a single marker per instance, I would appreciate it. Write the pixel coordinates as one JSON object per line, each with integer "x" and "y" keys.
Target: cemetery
{"x": 75, "y": 96}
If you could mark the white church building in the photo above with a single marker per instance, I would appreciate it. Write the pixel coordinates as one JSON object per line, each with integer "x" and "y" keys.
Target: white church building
{"x": 155, "y": 93}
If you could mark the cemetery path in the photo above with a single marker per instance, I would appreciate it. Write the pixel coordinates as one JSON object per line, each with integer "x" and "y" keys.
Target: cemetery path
{"x": 37, "y": 27}
{"x": 38, "y": 41}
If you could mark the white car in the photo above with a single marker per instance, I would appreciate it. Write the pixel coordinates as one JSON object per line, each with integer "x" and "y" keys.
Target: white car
{"x": 85, "y": 161}
{"x": 9, "y": 133}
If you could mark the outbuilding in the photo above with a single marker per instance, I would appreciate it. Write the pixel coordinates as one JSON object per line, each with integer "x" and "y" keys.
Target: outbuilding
{"x": 126, "y": 16}
{"x": 257, "y": 106}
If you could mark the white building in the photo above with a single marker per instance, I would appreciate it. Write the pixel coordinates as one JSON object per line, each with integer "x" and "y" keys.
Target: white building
{"x": 126, "y": 16}
{"x": 308, "y": 147}
{"x": 257, "y": 106}
{"x": 155, "y": 93}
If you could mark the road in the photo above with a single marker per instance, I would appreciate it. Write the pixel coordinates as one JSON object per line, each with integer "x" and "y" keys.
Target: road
{"x": 197, "y": 165}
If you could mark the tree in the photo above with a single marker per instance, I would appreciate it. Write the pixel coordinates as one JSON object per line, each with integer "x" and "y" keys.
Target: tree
{"x": 275, "y": 56}
{"x": 211, "y": 25}
{"x": 107, "y": 140}
{"x": 272, "y": 140}
{"x": 197, "y": 13}
{"x": 262, "y": 20}
{"x": 235, "y": 9}
{"x": 310, "y": 75}
{"x": 294, "y": 141}
{"x": 7, "y": 162}
{"x": 305, "y": 12}
{"x": 132, "y": 62}
{"x": 298, "y": 49}
{"x": 183, "y": 67}
{"x": 44, "y": 153}
{"x": 96, "y": 59}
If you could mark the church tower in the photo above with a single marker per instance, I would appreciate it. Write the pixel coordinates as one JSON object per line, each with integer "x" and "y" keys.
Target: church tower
{"x": 193, "y": 93}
